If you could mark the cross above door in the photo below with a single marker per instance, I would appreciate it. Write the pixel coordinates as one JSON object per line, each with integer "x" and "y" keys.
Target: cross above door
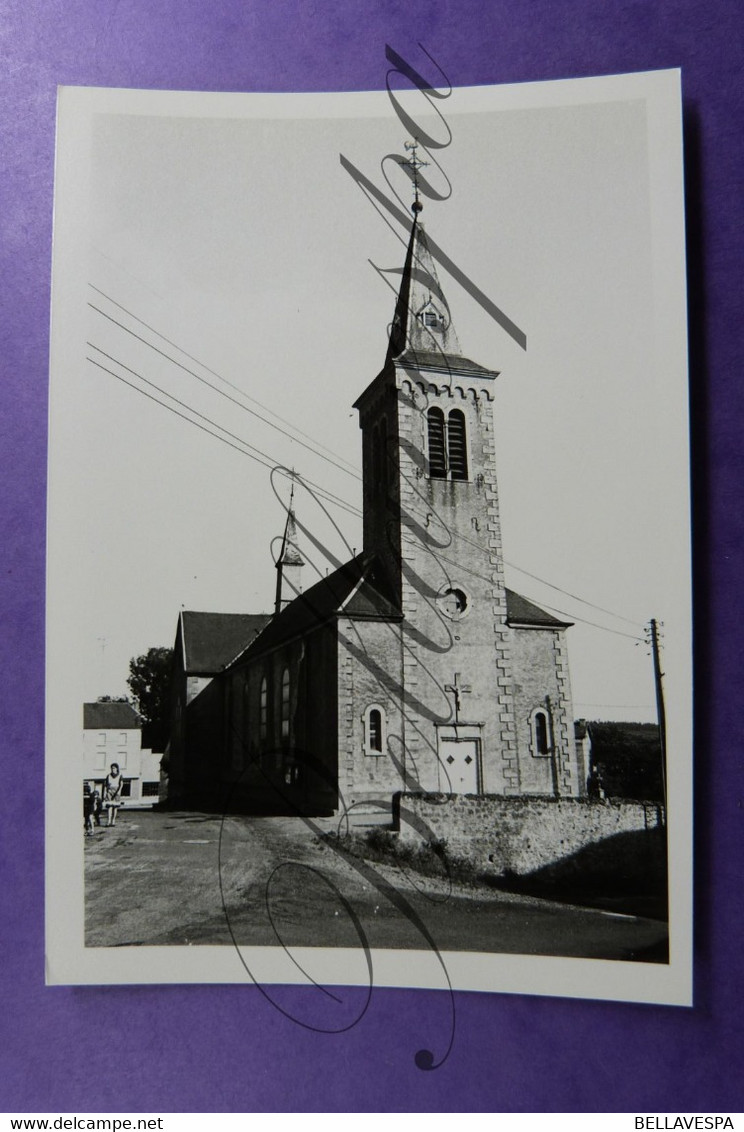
{"x": 458, "y": 690}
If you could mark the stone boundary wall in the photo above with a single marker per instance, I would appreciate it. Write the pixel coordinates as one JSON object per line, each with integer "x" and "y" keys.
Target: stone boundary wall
{"x": 518, "y": 835}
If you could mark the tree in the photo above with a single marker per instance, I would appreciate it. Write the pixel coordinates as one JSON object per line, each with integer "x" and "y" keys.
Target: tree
{"x": 150, "y": 683}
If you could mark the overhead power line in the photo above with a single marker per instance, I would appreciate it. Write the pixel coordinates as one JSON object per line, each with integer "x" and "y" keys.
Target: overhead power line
{"x": 313, "y": 448}
{"x": 219, "y": 376}
{"x": 574, "y": 597}
{"x": 221, "y": 392}
{"x": 256, "y": 454}
{"x": 627, "y": 707}
{"x": 583, "y": 620}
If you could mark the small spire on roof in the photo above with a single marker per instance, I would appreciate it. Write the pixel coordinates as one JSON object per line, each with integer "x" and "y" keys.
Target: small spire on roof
{"x": 290, "y": 555}
{"x": 290, "y": 561}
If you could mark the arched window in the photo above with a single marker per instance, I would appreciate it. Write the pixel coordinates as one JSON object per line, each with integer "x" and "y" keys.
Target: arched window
{"x": 456, "y": 447}
{"x": 541, "y": 733}
{"x": 437, "y": 454}
{"x": 263, "y": 709}
{"x": 285, "y": 704}
{"x": 374, "y": 730}
{"x": 448, "y": 448}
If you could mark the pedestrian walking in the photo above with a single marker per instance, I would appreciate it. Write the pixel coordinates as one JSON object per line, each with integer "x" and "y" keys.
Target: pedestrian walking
{"x": 112, "y": 788}
{"x": 87, "y": 809}
{"x": 95, "y": 794}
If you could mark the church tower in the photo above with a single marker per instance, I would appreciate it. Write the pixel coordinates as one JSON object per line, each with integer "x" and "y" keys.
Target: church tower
{"x": 431, "y": 519}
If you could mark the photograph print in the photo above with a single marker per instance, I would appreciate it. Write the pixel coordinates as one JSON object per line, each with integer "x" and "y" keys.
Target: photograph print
{"x": 368, "y": 561}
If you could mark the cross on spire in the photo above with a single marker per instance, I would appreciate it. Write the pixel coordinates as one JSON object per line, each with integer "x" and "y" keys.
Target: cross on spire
{"x": 414, "y": 163}
{"x": 458, "y": 690}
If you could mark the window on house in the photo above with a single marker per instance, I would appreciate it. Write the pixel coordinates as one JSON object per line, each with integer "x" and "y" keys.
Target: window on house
{"x": 150, "y": 789}
{"x": 456, "y": 447}
{"x": 263, "y": 709}
{"x": 374, "y": 730}
{"x": 126, "y": 788}
{"x": 285, "y": 704}
{"x": 437, "y": 454}
{"x": 99, "y": 756}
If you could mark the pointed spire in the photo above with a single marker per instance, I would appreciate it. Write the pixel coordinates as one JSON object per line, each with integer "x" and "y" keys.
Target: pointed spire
{"x": 422, "y": 323}
{"x": 290, "y": 553}
{"x": 290, "y": 562}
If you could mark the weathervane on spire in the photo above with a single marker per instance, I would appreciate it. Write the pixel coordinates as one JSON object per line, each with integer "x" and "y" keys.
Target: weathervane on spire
{"x": 414, "y": 164}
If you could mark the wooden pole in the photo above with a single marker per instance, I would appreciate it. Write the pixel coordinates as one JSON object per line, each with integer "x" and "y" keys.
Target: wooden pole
{"x": 660, "y": 710}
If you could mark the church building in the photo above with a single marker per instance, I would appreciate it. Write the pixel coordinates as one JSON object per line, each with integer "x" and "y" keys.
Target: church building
{"x": 411, "y": 668}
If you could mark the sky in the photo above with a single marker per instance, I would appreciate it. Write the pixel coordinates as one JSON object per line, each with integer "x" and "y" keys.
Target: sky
{"x": 217, "y": 248}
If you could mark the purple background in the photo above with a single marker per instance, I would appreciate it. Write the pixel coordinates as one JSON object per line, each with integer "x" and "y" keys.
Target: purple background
{"x": 224, "y": 1048}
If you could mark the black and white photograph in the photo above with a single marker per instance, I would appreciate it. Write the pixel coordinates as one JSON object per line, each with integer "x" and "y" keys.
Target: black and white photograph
{"x": 368, "y": 621}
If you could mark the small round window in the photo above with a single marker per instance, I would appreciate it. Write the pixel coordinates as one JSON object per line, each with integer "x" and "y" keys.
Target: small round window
{"x": 453, "y": 602}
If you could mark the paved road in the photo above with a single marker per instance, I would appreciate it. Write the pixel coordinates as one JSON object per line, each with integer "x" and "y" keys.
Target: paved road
{"x": 161, "y": 878}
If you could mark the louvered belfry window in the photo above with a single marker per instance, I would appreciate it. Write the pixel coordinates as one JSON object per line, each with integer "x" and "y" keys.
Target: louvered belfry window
{"x": 448, "y": 452}
{"x": 456, "y": 449}
{"x": 437, "y": 454}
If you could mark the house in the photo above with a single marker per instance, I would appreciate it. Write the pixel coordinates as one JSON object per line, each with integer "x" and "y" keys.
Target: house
{"x": 411, "y": 668}
{"x": 112, "y": 733}
{"x": 205, "y": 644}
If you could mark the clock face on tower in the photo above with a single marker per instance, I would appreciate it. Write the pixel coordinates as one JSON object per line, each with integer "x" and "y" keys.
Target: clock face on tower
{"x": 453, "y": 603}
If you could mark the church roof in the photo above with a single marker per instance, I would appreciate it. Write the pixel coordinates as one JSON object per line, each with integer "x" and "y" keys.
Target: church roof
{"x": 212, "y": 640}
{"x": 423, "y": 335}
{"x": 356, "y": 589}
{"x": 119, "y": 716}
{"x": 520, "y": 611}
{"x": 442, "y": 363}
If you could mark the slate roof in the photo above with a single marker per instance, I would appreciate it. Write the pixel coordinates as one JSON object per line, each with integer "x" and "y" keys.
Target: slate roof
{"x": 444, "y": 363}
{"x": 520, "y": 611}
{"x": 116, "y": 716}
{"x": 212, "y": 640}
{"x": 357, "y": 589}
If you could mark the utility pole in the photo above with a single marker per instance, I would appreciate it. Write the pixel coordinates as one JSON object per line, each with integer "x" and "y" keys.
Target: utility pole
{"x": 661, "y": 714}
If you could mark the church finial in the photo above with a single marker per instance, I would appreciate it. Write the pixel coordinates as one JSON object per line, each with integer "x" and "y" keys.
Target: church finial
{"x": 414, "y": 163}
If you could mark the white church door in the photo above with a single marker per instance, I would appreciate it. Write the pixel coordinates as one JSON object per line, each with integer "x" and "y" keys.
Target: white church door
{"x": 459, "y": 760}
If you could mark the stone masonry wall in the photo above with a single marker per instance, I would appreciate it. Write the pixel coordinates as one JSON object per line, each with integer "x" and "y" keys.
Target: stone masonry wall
{"x": 518, "y": 835}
